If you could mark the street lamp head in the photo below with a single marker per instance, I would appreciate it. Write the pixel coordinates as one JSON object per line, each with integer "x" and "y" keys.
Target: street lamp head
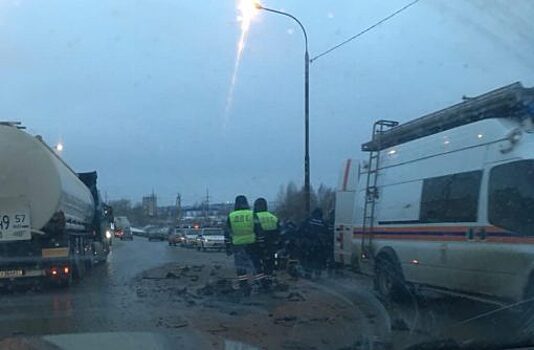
{"x": 258, "y": 5}
{"x": 247, "y": 9}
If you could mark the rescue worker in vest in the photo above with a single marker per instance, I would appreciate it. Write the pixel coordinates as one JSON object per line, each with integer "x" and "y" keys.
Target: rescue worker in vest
{"x": 240, "y": 241}
{"x": 267, "y": 231}
{"x": 313, "y": 244}
{"x": 290, "y": 238}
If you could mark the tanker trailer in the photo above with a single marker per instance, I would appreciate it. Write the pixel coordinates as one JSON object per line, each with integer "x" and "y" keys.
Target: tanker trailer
{"x": 47, "y": 215}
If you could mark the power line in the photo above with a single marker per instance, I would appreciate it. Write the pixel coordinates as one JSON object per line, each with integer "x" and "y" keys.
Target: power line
{"x": 385, "y": 19}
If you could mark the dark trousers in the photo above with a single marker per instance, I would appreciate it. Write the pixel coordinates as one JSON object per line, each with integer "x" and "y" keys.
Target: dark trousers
{"x": 267, "y": 258}
{"x": 243, "y": 261}
{"x": 314, "y": 259}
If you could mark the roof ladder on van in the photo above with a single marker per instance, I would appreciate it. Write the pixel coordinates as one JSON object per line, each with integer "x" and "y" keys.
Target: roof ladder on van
{"x": 371, "y": 189}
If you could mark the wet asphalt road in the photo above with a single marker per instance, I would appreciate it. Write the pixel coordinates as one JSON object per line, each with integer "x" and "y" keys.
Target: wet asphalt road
{"x": 106, "y": 300}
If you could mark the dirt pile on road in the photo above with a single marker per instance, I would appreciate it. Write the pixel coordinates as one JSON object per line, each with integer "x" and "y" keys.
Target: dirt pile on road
{"x": 292, "y": 315}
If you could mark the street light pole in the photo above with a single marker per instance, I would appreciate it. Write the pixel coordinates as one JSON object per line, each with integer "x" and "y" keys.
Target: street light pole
{"x": 307, "y": 190}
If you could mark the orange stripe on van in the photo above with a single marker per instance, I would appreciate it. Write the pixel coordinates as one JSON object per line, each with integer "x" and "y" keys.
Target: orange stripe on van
{"x": 515, "y": 240}
{"x": 489, "y": 229}
{"x": 444, "y": 234}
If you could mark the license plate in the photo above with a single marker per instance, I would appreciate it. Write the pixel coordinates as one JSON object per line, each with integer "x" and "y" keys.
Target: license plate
{"x": 10, "y": 273}
{"x": 55, "y": 252}
{"x": 14, "y": 219}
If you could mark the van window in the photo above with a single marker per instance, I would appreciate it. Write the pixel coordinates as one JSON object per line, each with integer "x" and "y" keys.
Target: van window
{"x": 451, "y": 198}
{"x": 511, "y": 197}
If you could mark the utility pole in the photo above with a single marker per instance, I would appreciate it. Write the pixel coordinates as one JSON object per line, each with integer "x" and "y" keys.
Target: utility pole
{"x": 178, "y": 208}
{"x": 207, "y": 205}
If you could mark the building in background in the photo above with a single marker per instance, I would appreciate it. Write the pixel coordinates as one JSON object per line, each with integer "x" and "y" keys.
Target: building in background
{"x": 150, "y": 205}
{"x": 216, "y": 212}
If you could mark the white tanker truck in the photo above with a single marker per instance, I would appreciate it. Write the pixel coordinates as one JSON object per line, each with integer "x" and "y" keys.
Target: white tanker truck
{"x": 53, "y": 224}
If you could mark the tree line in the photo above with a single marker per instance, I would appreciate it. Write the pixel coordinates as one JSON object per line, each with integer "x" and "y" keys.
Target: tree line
{"x": 291, "y": 201}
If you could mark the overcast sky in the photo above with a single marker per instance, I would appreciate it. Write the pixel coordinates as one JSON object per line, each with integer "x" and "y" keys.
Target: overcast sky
{"x": 137, "y": 89}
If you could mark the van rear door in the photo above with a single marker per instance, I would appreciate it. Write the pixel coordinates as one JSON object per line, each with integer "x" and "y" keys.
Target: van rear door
{"x": 344, "y": 213}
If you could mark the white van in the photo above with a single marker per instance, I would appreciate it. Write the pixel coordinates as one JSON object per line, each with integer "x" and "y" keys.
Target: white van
{"x": 445, "y": 201}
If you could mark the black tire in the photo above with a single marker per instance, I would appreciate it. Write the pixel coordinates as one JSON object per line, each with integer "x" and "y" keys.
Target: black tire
{"x": 389, "y": 280}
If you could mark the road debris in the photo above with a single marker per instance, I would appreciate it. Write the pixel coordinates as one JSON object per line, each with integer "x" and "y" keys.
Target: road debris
{"x": 204, "y": 294}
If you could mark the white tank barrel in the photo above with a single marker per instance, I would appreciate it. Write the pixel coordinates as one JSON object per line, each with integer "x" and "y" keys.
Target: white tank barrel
{"x": 31, "y": 173}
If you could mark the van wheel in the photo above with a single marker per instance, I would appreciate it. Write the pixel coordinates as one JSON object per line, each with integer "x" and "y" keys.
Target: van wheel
{"x": 389, "y": 280}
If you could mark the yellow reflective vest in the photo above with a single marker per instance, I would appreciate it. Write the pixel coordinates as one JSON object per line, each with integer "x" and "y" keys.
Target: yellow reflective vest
{"x": 268, "y": 221}
{"x": 242, "y": 227}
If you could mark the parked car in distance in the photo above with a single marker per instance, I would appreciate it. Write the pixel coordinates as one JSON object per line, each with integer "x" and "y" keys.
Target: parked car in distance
{"x": 157, "y": 234}
{"x": 127, "y": 234}
{"x": 138, "y": 232}
{"x": 211, "y": 239}
{"x": 176, "y": 237}
{"x": 191, "y": 238}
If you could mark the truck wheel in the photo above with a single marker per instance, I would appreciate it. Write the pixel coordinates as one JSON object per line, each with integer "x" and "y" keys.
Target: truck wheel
{"x": 389, "y": 280}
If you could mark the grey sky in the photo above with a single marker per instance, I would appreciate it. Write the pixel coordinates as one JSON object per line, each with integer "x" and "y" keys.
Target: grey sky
{"x": 137, "y": 89}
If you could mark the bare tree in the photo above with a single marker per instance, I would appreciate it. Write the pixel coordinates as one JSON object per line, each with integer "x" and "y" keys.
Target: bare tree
{"x": 291, "y": 201}
{"x": 121, "y": 207}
